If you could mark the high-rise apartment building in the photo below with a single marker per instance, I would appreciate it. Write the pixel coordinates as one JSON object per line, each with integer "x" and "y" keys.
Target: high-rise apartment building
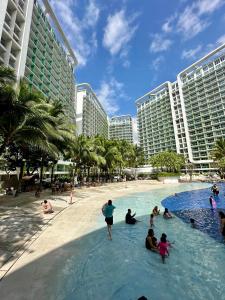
{"x": 91, "y": 118}
{"x": 32, "y": 42}
{"x": 186, "y": 116}
{"x": 121, "y": 128}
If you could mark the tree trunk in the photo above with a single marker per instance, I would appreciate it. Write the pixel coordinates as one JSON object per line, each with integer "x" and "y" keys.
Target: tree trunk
{"x": 41, "y": 172}
{"x": 20, "y": 179}
{"x": 52, "y": 173}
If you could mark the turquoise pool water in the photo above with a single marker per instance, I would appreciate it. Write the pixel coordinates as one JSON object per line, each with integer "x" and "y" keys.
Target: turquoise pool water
{"x": 124, "y": 269}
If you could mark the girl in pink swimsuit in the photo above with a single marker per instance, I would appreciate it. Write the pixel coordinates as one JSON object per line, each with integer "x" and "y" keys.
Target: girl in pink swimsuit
{"x": 163, "y": 247}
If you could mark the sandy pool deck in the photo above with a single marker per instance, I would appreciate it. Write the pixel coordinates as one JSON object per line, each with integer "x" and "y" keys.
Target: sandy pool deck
{"x": 26, "y": 278}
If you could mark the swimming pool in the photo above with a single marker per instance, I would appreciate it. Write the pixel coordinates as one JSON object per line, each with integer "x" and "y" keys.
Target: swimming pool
{"x": 124, "y": 269}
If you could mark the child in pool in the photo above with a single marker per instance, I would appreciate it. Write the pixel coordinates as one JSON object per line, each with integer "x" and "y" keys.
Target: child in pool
{"x": 163, "y": 247}
{"x": 151, "y": 220}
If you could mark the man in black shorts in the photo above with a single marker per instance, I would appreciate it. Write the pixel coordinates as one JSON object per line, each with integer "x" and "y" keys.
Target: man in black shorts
{"x": 107, "y": 211}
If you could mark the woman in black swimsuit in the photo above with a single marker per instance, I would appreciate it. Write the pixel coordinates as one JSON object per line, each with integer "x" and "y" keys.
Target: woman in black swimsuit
{"x": 151, "y": 241}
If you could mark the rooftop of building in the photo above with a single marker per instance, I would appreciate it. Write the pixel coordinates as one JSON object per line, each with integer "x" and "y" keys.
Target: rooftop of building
{"x": 66, "y": 45}
{"x": 208, "y": 58}
{"x": 87, "y": 87}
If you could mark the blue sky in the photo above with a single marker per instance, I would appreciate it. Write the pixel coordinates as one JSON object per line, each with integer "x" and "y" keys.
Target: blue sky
{"x": 125, "y": 48}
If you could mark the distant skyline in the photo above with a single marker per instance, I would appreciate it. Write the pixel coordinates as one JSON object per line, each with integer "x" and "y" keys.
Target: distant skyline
{"x": 126, "y": 48}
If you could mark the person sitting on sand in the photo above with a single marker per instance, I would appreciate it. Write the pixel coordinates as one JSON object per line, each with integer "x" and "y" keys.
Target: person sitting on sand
{"x": 130, "y": 218}
{"x": 156, "y": 211}
{"x": 47, "y": 207}
{"x": 151, "y": 241}
{"x": 167, "y": 214}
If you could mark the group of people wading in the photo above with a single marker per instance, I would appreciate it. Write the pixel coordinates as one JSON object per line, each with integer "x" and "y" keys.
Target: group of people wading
{"x": 151, "y": 243}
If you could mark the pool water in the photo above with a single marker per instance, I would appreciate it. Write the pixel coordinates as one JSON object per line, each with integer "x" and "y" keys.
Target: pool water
{"x": 195, "y": 204}
{"x": 124, "y": 269}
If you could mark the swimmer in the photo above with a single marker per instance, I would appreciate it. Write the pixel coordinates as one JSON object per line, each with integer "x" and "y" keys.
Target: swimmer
{"x": 151, "y": 241}
{"x": 151, "y": 220}
{"x": 192, "y": 221}
{"x": 163, "y": 247}
{"x": 210, "y": 201}
{"x": 156, "y": 211}
{"x": 167, "y": 214}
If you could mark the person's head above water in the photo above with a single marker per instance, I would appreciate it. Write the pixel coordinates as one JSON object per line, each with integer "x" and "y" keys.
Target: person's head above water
{"x": 45, "y": 201}
{"x": 110, "y": 202}
{"x": 129, "y": 211}
{"x": 192, "y": 221}
{"x": 164, "y": 235}
{"x": 222, "y": 215}
{"x": 166, "y": 210}
{"x": 163, "y": 238}
{"x": 155, "y": 208}
{"x": 150, "y": 232}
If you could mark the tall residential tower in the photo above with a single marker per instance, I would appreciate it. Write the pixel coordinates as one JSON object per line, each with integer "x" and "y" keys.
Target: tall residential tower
{"x": 32, "y": 42}
{"x": 91, "y": 118}
{"x": 187, "y": 116}
{"x": 121, "y": 128}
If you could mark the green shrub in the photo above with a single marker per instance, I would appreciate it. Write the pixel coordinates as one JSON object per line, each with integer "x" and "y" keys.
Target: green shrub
{"x": 168, "y": 174}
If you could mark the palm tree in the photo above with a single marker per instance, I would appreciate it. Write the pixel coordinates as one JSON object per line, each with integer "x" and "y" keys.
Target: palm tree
{"x": 218, "y": 154}
{"x": 23, "y": 119}
{"x": 219, "y": 149}
{"x": 7, "y": 76}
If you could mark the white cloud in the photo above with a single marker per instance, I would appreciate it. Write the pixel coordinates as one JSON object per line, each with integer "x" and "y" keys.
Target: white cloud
{"x": 208, "y": 6}
{"x": 190, "y": 24}
{"x": 195, "y": 18}
{"x": 167, "y": 26}
{"x": 92, "y": 14}
{"x": 118, "y": 32}
{"x": 191, "y": 53}
{"x": 159, "y": 43}
{"x": 157, "y": 62}
{"x": 81, "y": 33}
{"x": 135, "y": 130}
{"x": 110, "y": 93}
{"x": 221, "y": 40}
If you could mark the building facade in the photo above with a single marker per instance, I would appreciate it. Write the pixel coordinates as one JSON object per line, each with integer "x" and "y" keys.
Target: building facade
{"x": 192, "y": 110}
{"x": 29, "y": 44}
{"x": 121, "y": 128}
{"x": 91, "y": 118}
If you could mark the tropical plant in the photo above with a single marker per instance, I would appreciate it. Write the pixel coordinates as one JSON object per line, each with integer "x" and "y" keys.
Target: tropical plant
{"x": 218, "y": 155}
{"x": 169, "y": 161}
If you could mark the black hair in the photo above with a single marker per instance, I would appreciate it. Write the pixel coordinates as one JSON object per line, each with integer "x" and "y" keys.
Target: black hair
{"x": 110, "y": 202}
{"x": 192, "y": 220}
{"x": 142, "y": 298}
{"x": 151, "y": 215}
{"x": 45, "y": 201}
{"x": 222, "y": 215}
{"x": 166, "y": 210}
{"x": 151, "y": 232}
{"x": 129, "y": 210}
{"x": 163, "y": 238}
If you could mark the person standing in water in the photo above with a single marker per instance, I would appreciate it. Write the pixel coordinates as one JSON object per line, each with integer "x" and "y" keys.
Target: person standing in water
{"x": 107, "y": 211}
{"x": 222, "y": 224}
{"x": 151, "y": 220}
